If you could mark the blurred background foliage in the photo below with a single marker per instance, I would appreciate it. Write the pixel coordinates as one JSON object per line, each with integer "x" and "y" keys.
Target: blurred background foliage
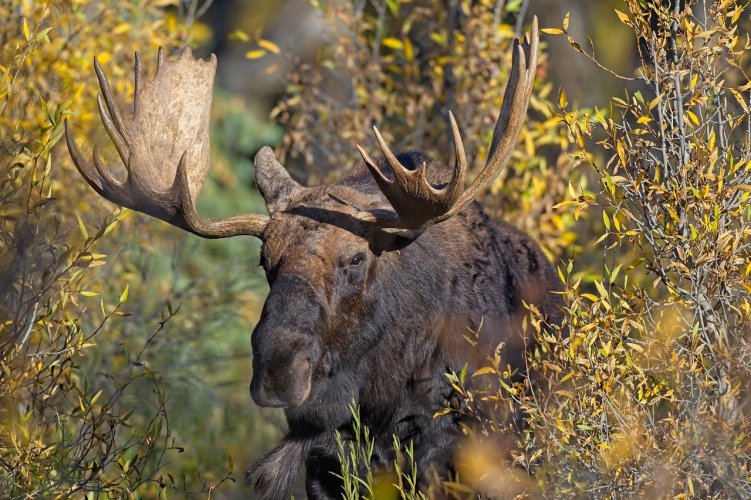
{"x": 125, "y": 342}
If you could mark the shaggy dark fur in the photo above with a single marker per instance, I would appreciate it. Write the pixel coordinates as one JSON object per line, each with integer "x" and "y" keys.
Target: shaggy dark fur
{"x": 357, "y": 313}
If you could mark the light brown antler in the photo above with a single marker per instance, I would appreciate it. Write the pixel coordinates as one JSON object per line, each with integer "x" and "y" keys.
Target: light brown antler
{"x": 419, "y": 205}
{"x": 165, "y": 147}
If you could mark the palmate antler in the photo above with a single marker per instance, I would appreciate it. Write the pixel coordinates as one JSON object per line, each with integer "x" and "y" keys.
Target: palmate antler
{"x": 419, "y": 205}
{"x": 165, "y": 147}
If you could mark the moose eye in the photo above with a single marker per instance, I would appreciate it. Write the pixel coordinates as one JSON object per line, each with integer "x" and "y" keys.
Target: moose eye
{"x": 357, "y": 259}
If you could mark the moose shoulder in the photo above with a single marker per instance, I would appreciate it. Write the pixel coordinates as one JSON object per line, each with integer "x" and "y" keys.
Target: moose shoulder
{"x": 374, "y": 282}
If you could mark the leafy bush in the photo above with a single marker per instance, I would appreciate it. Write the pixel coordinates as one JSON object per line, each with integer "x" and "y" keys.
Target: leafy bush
{"x": 649, "y": 394}
{"x": 63, "y": 425}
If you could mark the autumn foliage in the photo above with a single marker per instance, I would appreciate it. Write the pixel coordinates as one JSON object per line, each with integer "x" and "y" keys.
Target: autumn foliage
{"x": 642, "y": 201}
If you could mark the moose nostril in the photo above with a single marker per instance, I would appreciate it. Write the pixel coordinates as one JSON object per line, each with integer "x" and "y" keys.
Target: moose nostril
{"x": 268, "y": 386}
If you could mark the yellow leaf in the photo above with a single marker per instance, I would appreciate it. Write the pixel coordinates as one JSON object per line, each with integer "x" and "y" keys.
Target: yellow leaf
{"x": 96, "y": 397}
{"x": 268, "y": 45}
{"x": 121, "y": 28}
{"x": 86, "y": 293}
{"x": 239, "y": 35}
{"x": 483, "y": 371}
{"x": 565, "y": 21}
{"x": 255, "y": 54}
{"x": 409, "y": 51}
{"x": 441, "y": 412}
{"x": 393, "y": 43}
{"x": 673, "y": 214}
{"x": 635, "y": 347}
{"x": 621, "y": 153}
{"x": 741, "y": 100}
{"x": 692, "y": 117}
{"x": 601, "y": 289}
{"x": 552, "y": 31}
{"x": 623, "y": 17}
{"x": 26, "y": 34}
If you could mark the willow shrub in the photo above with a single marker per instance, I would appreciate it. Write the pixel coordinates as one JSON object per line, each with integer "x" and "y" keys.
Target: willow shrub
{"x": 63, "y": 427}
{"x": 646, "y": 392}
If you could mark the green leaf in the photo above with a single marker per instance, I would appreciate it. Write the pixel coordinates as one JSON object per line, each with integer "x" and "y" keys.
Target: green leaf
{"x": 82, "y": 228}
{"x": 614, "y": 273}
{"x": 239, "y": 35}
{"x": 393, "y": 7}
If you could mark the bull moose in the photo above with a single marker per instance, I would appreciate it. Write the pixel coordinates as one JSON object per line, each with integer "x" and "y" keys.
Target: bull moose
{"x": 373, "y": 281}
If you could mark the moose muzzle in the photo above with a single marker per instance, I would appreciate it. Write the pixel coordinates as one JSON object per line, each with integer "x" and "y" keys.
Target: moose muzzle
{"x": 286, "y": 349}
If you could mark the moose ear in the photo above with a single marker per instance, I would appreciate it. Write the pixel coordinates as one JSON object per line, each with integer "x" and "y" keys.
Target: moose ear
{"x": 273, "y": 180}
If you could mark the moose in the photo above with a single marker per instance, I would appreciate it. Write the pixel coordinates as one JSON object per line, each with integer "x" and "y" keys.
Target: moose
{"x": 374, "y": 281}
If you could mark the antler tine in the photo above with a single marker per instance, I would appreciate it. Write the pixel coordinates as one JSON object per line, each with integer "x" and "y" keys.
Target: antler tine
{"x": 410, "y": 193}
{"x": 460, "y": 162}
{"x": 116, "y": 125}
{"x": 138, "y": 71}
{"x": 84, "y": 168}
{"x": 164, "y": 146}
{"x": 420, "y": 205}
{"x": 510, "y": 120}
{"x": 110, "y": 184}
{"x": 400, "y": 172}
{"x": 118, "y": 140}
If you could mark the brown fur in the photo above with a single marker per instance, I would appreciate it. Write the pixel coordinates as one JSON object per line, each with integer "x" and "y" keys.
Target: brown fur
{"x": 356, "y": 313}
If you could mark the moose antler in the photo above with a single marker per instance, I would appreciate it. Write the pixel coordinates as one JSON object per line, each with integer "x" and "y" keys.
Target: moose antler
{"x": 419, "y": 205}
{"x": 165, "y": 147}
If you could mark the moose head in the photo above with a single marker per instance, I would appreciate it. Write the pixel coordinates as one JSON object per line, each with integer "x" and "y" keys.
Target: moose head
{"x": 360, "y": 272}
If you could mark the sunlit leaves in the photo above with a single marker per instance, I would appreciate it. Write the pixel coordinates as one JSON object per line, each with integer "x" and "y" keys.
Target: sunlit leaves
{"x": 57, "y": 429}
{"x": 675, "y": 215}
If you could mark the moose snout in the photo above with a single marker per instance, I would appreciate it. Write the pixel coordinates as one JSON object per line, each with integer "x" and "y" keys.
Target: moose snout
{"x": 283, "y": 374}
